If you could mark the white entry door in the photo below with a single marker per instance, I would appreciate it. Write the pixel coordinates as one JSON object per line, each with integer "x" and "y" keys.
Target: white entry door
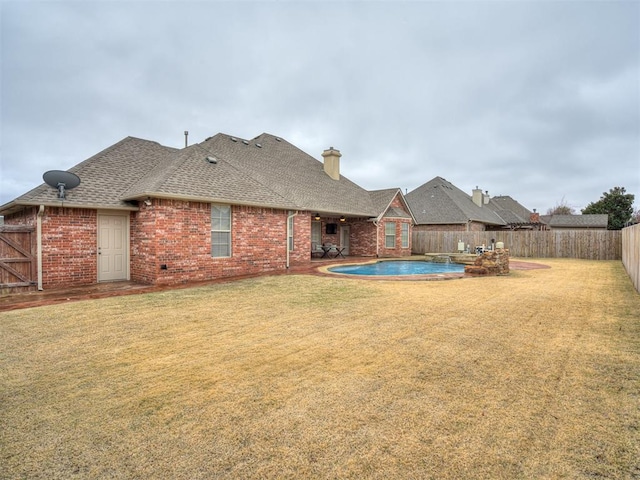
{"x": 113, "y": 247}
{"x": 344, "y": 238}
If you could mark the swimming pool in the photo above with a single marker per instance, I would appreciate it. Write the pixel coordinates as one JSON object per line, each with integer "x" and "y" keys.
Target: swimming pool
{"x": 399, "y": 267}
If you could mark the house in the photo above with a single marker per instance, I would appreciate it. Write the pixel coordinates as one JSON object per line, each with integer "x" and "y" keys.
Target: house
{"x": 396, "y": 219}
{"x": 224, "y": 207}
{"x": 514, "y": 215}
{"x": 576, "y": 222}
{"x": 438, "y": 205}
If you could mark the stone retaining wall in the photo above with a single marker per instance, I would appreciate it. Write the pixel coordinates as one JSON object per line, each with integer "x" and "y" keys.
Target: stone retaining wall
{"x": 495, "y": 262}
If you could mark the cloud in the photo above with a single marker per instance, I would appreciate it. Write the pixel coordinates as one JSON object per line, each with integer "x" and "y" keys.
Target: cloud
{"x": 537, "y": 100}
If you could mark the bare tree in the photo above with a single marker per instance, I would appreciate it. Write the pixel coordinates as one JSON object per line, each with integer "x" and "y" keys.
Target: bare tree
{"x": 561, "y": 208}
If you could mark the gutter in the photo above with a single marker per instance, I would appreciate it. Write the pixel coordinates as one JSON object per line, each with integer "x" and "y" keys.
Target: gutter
{"x": 39, "y": 245}
{"x": 14, "y": 206}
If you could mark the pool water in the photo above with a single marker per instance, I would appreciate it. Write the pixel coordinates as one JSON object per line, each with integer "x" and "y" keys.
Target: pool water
{"x": 399, "y": 267}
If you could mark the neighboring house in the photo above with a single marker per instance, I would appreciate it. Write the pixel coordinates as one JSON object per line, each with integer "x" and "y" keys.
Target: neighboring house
{"x": 515, "y": 216}
{"x": 576, "y": 222}
{"x": 439, "y": 205}
{"x": 224, "y": 207}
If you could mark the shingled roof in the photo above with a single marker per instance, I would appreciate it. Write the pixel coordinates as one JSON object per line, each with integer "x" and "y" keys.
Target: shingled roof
{"x": 104, "y": 177}
{"x": 440, "y": 202}
{"x": 382, "y": 203}
{"x": 599, "y": 221}
{"x": 510, "y": 210}
{"x": 266, "y": 171}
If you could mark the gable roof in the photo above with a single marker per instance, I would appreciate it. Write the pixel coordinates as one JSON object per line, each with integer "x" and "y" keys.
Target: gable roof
{"x": 382, "y": 200}
{"x": 266, "y": 171}
{"x": 504, "y": 204}
{"x": 104, "y": 177}
{"x": 440, "y": 202}
{"x": 510, "y": 210}
{"x": 600, "y": 220}
{"x": 188, "y": 175}
{"x": 291, "y": 173}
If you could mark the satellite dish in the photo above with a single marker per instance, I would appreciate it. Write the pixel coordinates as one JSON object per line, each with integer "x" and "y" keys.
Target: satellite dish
{"x": 61, "y": 180}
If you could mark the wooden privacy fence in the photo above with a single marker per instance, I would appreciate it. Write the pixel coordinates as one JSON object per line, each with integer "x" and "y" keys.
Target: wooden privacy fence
{"x": 17, "y": 258}
{"x": 631, "y": 253}
{"x": 585, "y": 244}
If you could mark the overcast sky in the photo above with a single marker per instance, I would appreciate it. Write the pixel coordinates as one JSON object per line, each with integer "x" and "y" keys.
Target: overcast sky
{"x": 539, "y": 100}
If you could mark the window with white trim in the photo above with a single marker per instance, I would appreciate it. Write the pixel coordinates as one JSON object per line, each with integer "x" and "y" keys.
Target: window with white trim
{"x": 290, "y": 230}
{"x": 404, "y": 235}
{"x": 220, "y": 230}
{"x": 390, "y": 234}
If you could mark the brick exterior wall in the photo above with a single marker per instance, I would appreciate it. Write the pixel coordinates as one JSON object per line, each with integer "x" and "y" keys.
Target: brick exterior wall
{"x": 477, "y": 227}
{"x": 397, "y": 250}
{"x": 172, "y": 233}
{"x": 69, "y": 247}
{"x": 454, "y": 227}
{"x": 25, "y": 217}
{"x": 177, "y": 234}
{"x": 170, "y": 242}
{"x": 301, "y": 239}
{"x": 362, "y": 235}
{"x": 440, "y": 228}
{"x": 69, "y": 244}
{"x": 363, "y": 238}
{"x": 142, "y": 262}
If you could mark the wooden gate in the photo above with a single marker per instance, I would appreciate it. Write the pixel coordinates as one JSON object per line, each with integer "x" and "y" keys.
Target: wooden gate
{"x": 18, "y": 269}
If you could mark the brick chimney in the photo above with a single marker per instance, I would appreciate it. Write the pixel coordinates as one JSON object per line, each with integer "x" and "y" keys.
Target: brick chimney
{"x": 534, "y": 217}
{"x": 332, "y": 162}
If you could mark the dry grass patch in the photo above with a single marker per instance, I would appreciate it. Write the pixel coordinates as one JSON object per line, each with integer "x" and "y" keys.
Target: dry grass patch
{"x": 534, "y": 375}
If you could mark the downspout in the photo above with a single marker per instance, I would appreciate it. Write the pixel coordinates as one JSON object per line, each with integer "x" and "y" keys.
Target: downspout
{"x": 376, "y": 224}
{"x": 289, "y": 217}
{"x": 39, "y": 245}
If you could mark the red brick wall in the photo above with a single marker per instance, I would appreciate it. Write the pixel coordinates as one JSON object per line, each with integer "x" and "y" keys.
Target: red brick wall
{"x": 25, "y": 217}
{"x": 363, "y": 238}
{"x": 143, "y": 265}
{"x": 178, "y": 234}
{"x": 69, "y": 244}
{"x": 440, "y": 228}
{"x": 69, "y": 247}
{"x": 362, "y": 235}
{"x": 172, "y": 233}
{"x": 330, "y": 237}
{"x": 397, "y": 251}
{"x": 477, "y": 227}
{"x": 473, "y": 227}
{"x": 301, "y": 238}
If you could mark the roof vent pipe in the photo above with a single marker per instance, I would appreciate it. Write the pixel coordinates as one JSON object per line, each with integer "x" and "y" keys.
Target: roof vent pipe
{"x": 186, "y": 136}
